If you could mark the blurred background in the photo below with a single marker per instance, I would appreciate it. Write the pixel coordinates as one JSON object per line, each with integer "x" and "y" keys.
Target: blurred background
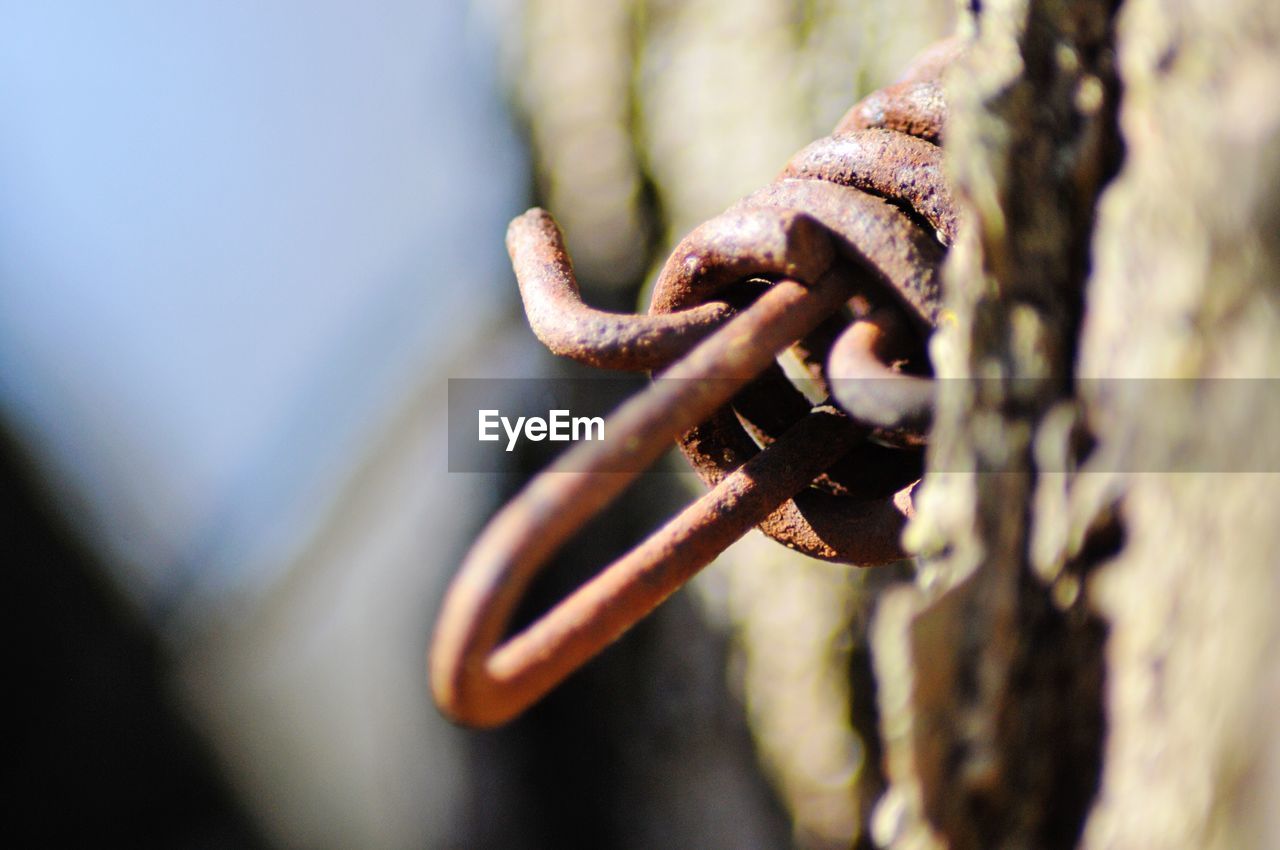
{"x": 243, "y": 247}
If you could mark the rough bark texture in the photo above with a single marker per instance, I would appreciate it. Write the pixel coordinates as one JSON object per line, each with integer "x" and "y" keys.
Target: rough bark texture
{"x": 1089, "y": 656}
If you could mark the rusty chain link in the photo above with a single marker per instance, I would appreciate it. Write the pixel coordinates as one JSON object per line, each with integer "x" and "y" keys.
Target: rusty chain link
{"x": 836, "y": 260}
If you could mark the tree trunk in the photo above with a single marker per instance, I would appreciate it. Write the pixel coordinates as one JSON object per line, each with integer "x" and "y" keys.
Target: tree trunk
{"x": 1089, "y": 657}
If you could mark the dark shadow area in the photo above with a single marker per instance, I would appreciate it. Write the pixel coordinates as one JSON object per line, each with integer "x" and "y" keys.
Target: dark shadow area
{"x": 98, "y": 752}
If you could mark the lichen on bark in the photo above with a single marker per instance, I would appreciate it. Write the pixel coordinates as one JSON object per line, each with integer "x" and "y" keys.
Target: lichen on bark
{"x": 991, "y": 667}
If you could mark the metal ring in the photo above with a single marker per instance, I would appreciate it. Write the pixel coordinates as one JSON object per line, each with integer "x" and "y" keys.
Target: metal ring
{"x": 898, "y": 405}
{"x": 889, "y": 247}
{"x": 887, "y": 163}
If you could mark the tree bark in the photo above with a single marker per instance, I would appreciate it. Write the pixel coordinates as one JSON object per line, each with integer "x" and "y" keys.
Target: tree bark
{"x": 1089, "y": 655}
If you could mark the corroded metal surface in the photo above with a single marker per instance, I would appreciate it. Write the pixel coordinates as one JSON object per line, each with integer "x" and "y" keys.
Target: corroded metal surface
{"x": 915, "y": 108}
{"x": 851, "y": 234}
{"x": 885, "y": 163}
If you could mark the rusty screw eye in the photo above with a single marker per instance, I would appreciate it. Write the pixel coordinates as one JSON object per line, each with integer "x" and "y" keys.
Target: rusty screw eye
{"x": 859, "y": 222}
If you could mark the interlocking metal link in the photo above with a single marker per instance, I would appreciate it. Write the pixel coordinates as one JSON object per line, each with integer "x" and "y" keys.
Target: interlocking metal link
{"x": 837, "y": 261}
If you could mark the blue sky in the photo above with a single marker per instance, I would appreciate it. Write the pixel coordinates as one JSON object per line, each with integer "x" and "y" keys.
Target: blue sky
{"x": 231, "y": 237}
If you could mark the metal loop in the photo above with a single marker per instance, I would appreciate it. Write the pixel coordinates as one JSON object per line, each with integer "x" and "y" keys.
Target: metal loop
{"x": 915, "y": 108}
{"x": 482, "y": 681}
{"x": 886, "y": 163}
{"x": 871, "y": 234}
{"x": 880, "y": 244}
{"x": 897, "y": 404}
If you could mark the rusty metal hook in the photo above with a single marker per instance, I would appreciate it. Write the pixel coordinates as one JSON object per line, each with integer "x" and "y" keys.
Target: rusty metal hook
{"x": 570, "y": 328}
{"x": 481, "y": 680}
{"x": 898, "y": 405}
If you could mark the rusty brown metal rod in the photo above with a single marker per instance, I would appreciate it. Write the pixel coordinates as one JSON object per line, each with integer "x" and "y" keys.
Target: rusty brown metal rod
{"x": 480, "y": 680}
{"x": 737, "y": 245}
{"x": 870, "y": 232}
{"x": 915, "y": 108}
{"x": 873, "y": 393}
{"x": 914, "y": 104}
{"x": 571, "y": 328}
{"x": 887, "y": 163}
